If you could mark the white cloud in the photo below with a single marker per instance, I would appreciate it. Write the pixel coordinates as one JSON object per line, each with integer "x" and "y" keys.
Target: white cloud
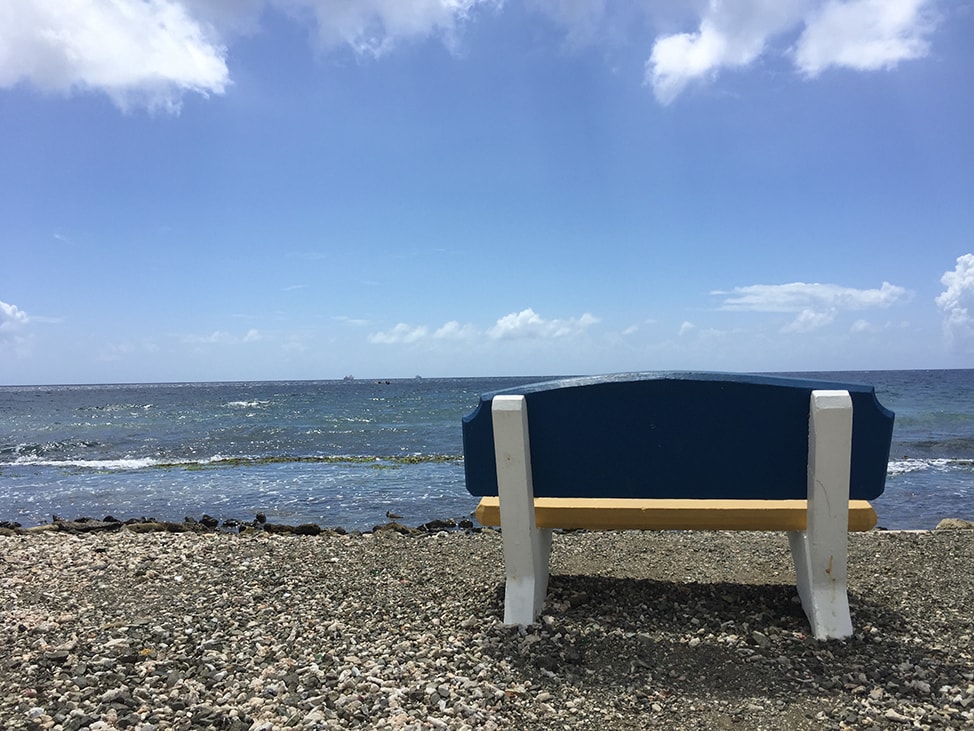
{"x": 957, "y": 302}
{"x": 15, "y": 337}
{"x": 12, "y": 317}
{"x": 401, "y": 333}
{"x": 798, "y": 296}
{"x": 527, "y": 324}
{"x": 151, "y": 53}
{"x": 523, "y": 325}
{"x": 866, "y": 35}
{"x": 453, "y": 330}
{"x": 138, "y": 52}
{"x": 817, "y": 305}
{"x": 730, "y": 35}
{"x": 686, "y": 327}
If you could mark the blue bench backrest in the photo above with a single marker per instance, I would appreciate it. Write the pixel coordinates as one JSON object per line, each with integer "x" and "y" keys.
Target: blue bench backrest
{"x": 677, "y": 435}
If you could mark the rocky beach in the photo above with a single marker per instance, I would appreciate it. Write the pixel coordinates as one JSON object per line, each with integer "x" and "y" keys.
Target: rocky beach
{"x": 262, "y": 630}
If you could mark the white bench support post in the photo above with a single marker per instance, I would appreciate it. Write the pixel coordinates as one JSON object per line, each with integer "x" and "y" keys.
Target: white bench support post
{"x": 820, "y": 551}
{"x": 526, "y": 547}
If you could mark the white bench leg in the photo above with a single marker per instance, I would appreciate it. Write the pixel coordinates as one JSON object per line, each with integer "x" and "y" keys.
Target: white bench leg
{"x": 526, "y": 547}
{"x": 820, "y": 551}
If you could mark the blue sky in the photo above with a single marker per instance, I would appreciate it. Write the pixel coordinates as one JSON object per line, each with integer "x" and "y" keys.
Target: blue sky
{"x": 291, "y": 189}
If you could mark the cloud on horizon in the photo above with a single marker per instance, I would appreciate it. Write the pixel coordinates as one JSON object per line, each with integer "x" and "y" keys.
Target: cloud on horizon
{"x": 12, "y": 317}
{"x": 957, "y": 303}
{"x": 151, "y": 53}
{"x": 523, "y": 325}
{"x": 816, "y": 305}
{"x": 13, "y": 323}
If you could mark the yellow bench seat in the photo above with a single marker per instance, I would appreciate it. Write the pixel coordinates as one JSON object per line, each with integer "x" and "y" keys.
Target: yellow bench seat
{"x": 659, "y": 514}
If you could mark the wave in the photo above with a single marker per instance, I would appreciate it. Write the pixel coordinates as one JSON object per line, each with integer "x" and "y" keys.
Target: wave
{"x": 89, "y": 464}
{"x": 218, "y": 461}
{"x": 38, "y": 451}
{"x": 35, "y": 455}
{"x": 942, "y": 464}
{"x": 256, "y": 404}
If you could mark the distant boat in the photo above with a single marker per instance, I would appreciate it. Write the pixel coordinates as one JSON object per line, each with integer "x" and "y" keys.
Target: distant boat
{"x": 349, "y": 378}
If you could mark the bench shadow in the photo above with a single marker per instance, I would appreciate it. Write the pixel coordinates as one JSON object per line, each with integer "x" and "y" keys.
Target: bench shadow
{"x": 721, "y": 639}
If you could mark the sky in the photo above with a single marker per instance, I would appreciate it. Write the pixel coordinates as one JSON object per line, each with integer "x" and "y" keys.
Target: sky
{"x": 221, "y": 190}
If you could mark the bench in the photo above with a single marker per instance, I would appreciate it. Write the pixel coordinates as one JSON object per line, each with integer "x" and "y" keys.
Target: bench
{"x": 680, "y": 451}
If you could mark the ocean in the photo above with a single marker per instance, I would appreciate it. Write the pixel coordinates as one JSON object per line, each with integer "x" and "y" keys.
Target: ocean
{"x": 344, "y": 453}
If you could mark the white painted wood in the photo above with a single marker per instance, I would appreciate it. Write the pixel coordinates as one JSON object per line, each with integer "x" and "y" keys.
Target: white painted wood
{"x": 820, "y": 551}
{"x": 526, "y": 547}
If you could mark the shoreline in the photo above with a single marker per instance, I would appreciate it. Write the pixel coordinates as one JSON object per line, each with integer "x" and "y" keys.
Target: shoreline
{"x": 208, "y": 524}
{"x": 690, "y": 630}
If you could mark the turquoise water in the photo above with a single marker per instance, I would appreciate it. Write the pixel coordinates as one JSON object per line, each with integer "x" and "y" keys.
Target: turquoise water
{"x": 345, "y": 452}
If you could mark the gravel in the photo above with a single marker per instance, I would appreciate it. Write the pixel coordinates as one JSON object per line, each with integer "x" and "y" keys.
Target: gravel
{"x": 163, "y": 630}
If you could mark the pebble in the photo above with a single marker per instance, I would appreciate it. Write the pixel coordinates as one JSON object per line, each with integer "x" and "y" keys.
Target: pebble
{"x": 268, "y": 630}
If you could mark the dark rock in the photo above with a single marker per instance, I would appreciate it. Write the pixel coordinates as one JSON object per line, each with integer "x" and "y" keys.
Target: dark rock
{"x": 10, "y": 524}
{"x": 57, "y": 657}
{"x": 85, "y": 525}
{"x": 131, "y": 720}
{"x": 74, "y": 723}
{"x": 306, "y": 529}
{"x": 208, "y": 521}
{"x": 437, "y": 525}
{"x": 261, "y": 518}
{"x": 394, "y": 527}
